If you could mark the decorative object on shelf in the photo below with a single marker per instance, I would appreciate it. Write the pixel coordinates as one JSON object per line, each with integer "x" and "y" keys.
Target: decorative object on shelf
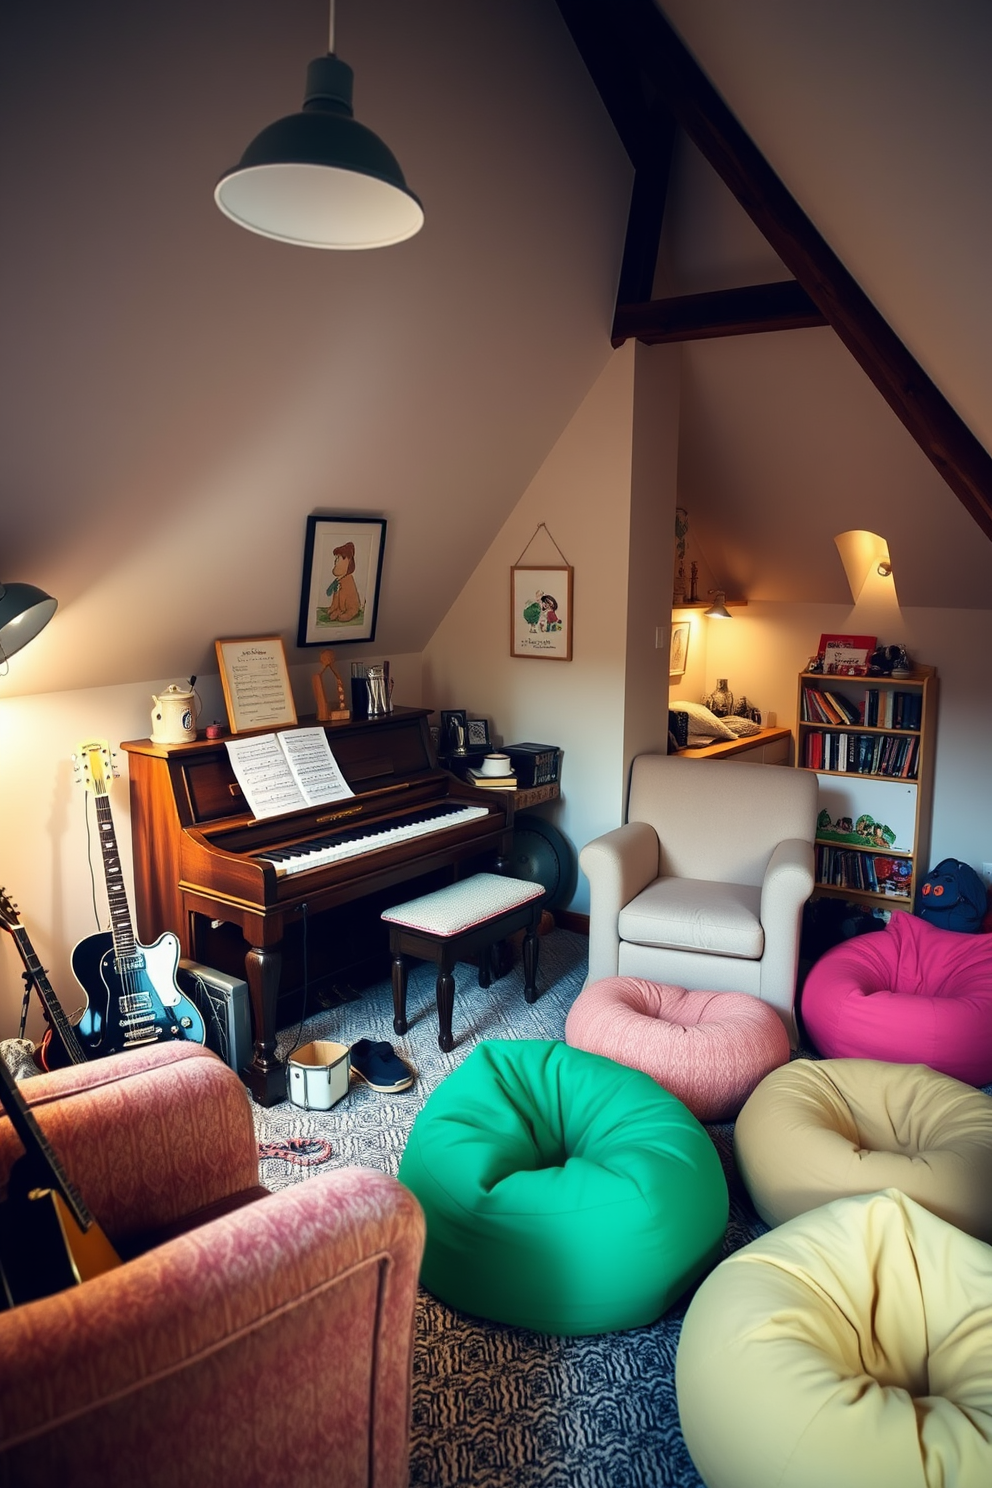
{"x": 174, "y": 714}
{"x": 24, "y": 611}
{"x": 541, "y": 608}
{"x": 679, "y": 649}
{"x": 478, "y": 733}
{"x": 454, "y": 731}
{"x": 721, "y": 701}
{"x": 746, "y": 709}
{"x": 326, "y": 712}
{"x": 681, "y": 533}
{"x": 255, "y": 679}
{"x": 718, "y": 609}
{"x": 380, "y": 688}
{"x": 902, "y": 666}
{"x": 846, "y": 655}
{"x": 693, "y": 597}
{"x": 319, "y": 178}
{"x": 342, "y": 570}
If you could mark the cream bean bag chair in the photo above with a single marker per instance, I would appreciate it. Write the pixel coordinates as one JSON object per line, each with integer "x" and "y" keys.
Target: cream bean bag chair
{"x": 850, "y": 1348}
{"x": 819, "y": 1130}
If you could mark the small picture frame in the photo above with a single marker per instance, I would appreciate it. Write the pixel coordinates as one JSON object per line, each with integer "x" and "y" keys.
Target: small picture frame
{"x": 478, "y": 733}
{"x": 846, "y": 655}
{"x": 679, "y": 652}
{"x": 342, "y": 571}
{"x": 541, "y": 612}
{"x": 453, "y": 720}
{"x": 255, "y": 679}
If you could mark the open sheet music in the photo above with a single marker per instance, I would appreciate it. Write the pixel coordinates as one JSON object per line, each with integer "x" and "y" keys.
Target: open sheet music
{"x": 287, "y": 771}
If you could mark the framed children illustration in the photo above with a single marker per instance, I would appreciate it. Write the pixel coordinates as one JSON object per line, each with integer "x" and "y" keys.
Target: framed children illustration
{"x": 342, "y": 569}
{"x": 541, "y": 612}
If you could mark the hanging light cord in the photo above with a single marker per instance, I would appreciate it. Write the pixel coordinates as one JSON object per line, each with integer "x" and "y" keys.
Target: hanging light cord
{"x": 330, "y": 27}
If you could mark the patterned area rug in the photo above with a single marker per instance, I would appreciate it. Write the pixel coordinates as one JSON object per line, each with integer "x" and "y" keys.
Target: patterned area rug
{"x": 499, "y": 1407}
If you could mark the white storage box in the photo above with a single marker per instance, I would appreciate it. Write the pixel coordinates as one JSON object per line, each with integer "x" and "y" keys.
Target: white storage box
{"x": 318, "y": 1075}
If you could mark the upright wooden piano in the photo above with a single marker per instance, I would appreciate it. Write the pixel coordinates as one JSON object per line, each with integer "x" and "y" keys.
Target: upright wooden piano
{"x": 201, "y": 857}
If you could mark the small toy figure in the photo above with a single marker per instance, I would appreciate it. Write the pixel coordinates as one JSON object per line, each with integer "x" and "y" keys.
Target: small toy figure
{"x": 325, "y": 713}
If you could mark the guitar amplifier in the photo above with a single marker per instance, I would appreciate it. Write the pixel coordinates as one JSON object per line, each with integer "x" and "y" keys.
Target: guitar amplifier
{"x": 223, "y": 1004}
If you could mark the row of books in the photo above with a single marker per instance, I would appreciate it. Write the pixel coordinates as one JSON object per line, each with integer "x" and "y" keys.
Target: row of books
{"x": 893, "y": 755}
{"x": 878, "y": 708}
{"x": 871, "y": 873}
{"x": 884, "y": 708}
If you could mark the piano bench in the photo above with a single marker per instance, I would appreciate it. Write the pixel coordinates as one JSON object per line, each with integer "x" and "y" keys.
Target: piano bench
{"x": 454, "y": 923}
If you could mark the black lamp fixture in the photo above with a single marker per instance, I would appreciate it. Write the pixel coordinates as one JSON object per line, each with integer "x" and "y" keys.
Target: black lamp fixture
{"x": 319, "y": 178}
{"x": 24, "y": 611}
{"x": 718, "y": 609}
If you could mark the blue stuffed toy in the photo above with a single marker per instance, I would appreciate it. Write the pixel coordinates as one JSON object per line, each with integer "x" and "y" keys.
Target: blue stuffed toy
{"x": 953, "y": 897}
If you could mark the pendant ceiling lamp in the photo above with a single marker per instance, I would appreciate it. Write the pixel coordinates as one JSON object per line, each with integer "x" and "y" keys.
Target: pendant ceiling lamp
{"x": 24, "y": 611}
{"x": 319, "y": 178}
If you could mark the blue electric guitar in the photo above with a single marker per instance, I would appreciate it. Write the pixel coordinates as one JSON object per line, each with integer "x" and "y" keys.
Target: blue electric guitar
{"x": 131, "y": 989}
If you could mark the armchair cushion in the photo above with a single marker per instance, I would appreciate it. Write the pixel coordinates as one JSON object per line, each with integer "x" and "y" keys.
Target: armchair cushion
{"x": 177, "y": 1366}
{"x": 694, "y": 914}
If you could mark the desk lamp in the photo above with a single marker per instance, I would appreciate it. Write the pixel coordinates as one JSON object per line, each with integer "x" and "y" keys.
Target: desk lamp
{"x": 24, "y": 611}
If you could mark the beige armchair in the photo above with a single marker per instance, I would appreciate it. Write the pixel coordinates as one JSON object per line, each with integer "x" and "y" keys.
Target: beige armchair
{"x": 704, "y": 885}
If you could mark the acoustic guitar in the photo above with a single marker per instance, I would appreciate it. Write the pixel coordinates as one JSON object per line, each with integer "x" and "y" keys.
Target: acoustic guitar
{"x": 49, "y": 1240}
{"x": 132, "y": 994}
{"x": 60, "y": 1046}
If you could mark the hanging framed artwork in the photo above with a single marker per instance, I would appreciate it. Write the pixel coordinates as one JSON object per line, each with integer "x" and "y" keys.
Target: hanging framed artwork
{"x": 680, "y": 648}
{"x": 342, "y": 570}
{"x": 541, "y": 612}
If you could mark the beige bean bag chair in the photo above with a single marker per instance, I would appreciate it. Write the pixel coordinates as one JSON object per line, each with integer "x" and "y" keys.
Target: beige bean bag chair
{"x": 849, "y": 1348}
{"x": 813, "y": 1131}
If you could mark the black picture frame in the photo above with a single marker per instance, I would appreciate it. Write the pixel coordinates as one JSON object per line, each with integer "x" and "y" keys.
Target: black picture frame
{"x": 449, "y": 718}
{"x": 327, "y": 599}
{"x": 477, "y": 733}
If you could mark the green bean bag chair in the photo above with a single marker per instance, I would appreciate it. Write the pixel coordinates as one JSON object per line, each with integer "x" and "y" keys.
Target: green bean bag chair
{"x": 563, "y": 1192}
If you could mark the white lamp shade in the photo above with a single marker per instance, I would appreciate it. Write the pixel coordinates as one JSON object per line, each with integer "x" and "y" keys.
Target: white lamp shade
{"x": 319, "y": 206}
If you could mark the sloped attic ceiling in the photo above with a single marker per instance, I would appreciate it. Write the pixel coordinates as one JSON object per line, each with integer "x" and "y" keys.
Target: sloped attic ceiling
{"x": 879, "y": 121}
{"x": 764, "y": 510}
{"x": 180, "y": 394}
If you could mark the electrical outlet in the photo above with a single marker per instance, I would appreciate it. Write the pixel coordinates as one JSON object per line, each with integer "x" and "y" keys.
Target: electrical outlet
{"x": 987, "y": 874}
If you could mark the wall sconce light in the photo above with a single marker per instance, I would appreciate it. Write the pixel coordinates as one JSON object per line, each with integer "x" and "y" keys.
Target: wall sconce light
{"x": 865, "y": 555}
{"x": 24, "y": 611}
{"x": 718, "y": 609}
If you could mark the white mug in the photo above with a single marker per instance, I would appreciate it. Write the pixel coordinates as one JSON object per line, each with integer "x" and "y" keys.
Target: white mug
{"x": 496, "y": 764}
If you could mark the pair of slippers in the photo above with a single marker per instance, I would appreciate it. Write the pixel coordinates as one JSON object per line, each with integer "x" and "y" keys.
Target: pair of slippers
{"x": 380, "y": 1067}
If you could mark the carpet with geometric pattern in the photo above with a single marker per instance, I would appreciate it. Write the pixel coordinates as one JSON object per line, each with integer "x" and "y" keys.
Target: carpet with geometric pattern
{"x": 499, "y": 1407}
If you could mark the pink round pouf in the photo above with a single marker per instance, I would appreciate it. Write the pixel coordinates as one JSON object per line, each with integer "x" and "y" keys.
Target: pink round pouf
{"x": 710, "y": 1049}
{"x": 909, "y": 994}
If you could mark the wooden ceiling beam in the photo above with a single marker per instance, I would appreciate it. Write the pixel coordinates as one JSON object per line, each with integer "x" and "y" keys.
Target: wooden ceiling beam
{"x": 781, "y": 306}
{"x": 676, "y": 81}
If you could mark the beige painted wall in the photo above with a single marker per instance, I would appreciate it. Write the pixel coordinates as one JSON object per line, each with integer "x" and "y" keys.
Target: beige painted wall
{"x": 607, "y": 499}
{"x": 766, "y": 645}
{"x": 45, "y": 849}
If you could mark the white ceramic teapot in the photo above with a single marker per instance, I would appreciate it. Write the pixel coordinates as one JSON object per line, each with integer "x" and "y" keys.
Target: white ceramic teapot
{"x": 174, "y": 715}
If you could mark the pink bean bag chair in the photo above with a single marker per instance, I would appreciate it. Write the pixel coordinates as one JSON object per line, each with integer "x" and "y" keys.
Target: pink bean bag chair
{"x": 710, "y": 1049}
{"x": 909, "y": 994}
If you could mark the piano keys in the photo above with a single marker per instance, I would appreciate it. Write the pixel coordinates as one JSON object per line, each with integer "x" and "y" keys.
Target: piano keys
{"x": 201, "y": 857}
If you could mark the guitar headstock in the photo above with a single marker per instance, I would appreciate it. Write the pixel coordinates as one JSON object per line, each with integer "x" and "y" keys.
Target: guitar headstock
{"x": 8, "y": 912}
{"x": 94, "y": 765}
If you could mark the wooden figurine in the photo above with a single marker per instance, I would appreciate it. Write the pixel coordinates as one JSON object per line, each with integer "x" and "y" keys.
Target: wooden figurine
{"x": 325, "y": 713}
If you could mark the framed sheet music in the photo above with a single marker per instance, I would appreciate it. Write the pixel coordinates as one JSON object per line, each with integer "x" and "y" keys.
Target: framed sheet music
{"x": 255, "y": 679}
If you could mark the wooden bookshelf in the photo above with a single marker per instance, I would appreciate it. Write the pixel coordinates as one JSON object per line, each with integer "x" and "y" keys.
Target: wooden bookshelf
{"x": 870, "y": 741}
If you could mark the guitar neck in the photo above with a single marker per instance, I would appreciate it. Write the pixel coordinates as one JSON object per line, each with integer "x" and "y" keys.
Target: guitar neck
{"x": 45, "y": 1166}
{"x": 120, "y": 913}
{"x": 52, "y": 1006}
